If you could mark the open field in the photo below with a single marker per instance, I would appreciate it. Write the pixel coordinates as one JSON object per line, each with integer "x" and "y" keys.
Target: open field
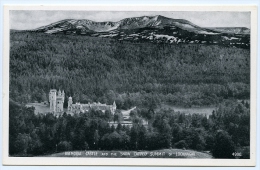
{"x": 39, "y": 107}
{"x": 164, "y": 153}
{"x": 207, "y": 110}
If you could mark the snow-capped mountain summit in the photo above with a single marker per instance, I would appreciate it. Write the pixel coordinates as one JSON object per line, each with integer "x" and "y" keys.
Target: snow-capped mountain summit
{"x": 158, "y": 29}
{"x": 157, "y": 21}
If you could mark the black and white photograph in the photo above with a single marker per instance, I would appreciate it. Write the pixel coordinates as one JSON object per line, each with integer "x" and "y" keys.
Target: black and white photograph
{"x": 121, "y": 84}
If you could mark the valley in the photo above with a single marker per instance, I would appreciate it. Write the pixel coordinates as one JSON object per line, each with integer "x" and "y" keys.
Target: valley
{"x": 185, "y": 87}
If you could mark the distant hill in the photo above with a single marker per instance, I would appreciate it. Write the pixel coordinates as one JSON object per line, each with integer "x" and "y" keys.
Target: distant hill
{"x": 156, "y": 29}
{"x": 232, "y": 30}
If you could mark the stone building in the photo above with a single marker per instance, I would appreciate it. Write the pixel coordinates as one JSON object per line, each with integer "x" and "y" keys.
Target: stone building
{"x": 56, "y": 100}
{"x": 57, "y": 103}
{"x": 78, "y": 107}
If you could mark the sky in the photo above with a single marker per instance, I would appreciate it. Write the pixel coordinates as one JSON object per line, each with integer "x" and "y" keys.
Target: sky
{"x": 31, "y": 19}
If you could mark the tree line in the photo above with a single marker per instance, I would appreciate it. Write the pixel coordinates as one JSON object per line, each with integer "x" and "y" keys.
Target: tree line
{"x": 89, "y": 68}
{"x": 225, "y": 131}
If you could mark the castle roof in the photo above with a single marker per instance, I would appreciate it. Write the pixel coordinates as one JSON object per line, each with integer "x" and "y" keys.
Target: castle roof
{"x": 100, "y": 107}
{"x": 89, "y": 106}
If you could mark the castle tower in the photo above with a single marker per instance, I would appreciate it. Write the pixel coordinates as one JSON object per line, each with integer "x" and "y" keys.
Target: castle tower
{"x": 60, "y": 101}
{"x": 70, "y": 104}
{"x": 52, "y": 100}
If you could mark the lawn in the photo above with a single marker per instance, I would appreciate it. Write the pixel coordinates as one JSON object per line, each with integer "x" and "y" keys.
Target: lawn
{"x": 39, "y": 107}
{"x": 206, "y": 110}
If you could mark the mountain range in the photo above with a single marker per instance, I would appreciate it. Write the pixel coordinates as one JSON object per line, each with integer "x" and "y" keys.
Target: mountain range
{"x": 156, "y": 29}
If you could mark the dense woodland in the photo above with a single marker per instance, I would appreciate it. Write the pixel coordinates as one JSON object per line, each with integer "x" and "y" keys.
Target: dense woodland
{"x": 227, "y": 130}
{"x": 104, "y": 70}
{"x": 132, "y": 74}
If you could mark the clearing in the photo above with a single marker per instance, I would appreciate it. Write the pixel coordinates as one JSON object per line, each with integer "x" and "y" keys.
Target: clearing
{"x": 206, "y": 110}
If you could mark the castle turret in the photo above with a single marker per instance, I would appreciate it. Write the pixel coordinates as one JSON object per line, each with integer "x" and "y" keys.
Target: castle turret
{"x": 59, "y": 93}
{"x": 114, "y": 104}
{"x": 63, "y": 95}
{"x": 70, "y": 104}
{"x": 113, "y": 108}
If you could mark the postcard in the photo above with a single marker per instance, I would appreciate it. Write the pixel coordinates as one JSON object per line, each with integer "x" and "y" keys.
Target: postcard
{"x": 129, "y": 85}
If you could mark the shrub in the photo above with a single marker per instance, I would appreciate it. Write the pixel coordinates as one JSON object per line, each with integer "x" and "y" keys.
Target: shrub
{"x": 64, "y": 146}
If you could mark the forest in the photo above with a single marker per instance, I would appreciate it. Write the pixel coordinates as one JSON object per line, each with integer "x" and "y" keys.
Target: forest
{"x": 93, "y": 69}
{"x": 226, "y": 131}
{"x": 106, "y": 70}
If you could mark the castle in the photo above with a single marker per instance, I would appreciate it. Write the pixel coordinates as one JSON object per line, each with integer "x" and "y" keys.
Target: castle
{"x": 57, "y": 102}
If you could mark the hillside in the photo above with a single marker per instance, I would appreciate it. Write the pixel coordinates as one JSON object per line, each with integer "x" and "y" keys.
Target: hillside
{"x": 100, "y": 69}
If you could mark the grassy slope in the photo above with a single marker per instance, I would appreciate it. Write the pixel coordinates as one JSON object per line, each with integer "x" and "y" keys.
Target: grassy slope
{"x": 205, "y": 110}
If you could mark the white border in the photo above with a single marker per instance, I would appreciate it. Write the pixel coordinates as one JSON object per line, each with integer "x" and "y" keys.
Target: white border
{"x": 131, "y": 161}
